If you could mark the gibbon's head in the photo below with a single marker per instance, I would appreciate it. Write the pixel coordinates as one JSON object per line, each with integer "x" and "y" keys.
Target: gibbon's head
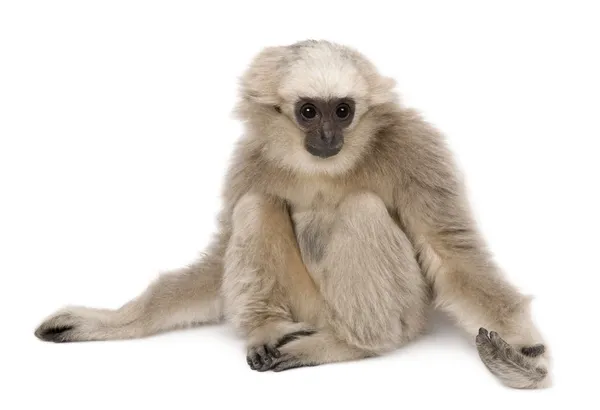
{"x": 307, "y": 105}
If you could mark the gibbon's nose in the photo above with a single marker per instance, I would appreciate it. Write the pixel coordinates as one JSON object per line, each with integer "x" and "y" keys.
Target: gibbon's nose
{"x": 327, "y": 134}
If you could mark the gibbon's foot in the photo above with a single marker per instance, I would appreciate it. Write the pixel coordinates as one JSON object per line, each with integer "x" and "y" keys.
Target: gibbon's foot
{"x": 59, "y": 328}
{"x": 515, "y": 368}
{"x": 79, "y": 324}
{"x": 58, "y": 334}
{"x": 267, "y": 356}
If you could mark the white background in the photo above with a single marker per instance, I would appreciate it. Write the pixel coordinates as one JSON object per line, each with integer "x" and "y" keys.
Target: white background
{"x": 116, "y": 129}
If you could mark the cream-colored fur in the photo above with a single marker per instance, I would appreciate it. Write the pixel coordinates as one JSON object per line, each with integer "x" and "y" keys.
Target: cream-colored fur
{"x": 321, "y": 260}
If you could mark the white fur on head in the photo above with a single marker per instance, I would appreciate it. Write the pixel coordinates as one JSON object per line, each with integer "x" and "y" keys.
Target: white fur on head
{"x": 314, "y": 69}
{"x": 280, "y": 76}
{"x": 322, "y": 71}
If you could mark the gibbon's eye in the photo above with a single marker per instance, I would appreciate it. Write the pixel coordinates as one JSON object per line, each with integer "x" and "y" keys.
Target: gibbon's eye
{"x": 308, "y": 111}
{"x": 342, "y": 111}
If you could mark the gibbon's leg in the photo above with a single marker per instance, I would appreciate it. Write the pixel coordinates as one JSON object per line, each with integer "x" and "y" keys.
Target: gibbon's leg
{"x": 269, "y": 295}
{"x": 176, "y": 299}
{"x": 369, "y": 277}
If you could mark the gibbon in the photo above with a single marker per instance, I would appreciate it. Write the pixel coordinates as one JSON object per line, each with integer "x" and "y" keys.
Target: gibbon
{"x": 344, "y": 219}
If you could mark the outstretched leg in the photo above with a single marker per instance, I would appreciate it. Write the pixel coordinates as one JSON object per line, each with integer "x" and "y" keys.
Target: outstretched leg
{"x": 176, "y": 299}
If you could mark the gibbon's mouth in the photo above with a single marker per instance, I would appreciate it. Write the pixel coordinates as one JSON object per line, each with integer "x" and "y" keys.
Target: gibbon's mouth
{"x": 323, "y": 152}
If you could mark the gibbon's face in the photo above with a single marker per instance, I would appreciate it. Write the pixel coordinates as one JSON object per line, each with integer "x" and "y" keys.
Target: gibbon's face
{"x": 318, "y": 95}
{"x": 323, "y": 122}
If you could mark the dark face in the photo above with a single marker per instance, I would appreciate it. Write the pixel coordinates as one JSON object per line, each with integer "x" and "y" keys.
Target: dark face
{"x": 323, "y": 123}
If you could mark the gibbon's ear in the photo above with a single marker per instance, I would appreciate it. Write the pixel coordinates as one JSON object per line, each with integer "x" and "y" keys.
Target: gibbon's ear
{"x": 382, "y": 91}
{"x": 260, "y": 81}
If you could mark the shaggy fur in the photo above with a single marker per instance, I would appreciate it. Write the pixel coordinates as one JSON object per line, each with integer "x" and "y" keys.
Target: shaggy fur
{"x": 320, "y": 260}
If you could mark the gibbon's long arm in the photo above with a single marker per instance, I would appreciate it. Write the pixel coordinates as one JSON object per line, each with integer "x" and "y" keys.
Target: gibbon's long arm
{"x": 466, "y": 281}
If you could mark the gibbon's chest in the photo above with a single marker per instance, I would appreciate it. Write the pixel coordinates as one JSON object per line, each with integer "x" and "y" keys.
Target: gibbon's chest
{"x": 315, "y": 195}
{"x": 313, "y": 229}
{"x": 314, "y": 210}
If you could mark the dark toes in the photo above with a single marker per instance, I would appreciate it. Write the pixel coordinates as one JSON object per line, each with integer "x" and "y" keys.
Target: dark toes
{"x": 253, "y": 359}
{"x": 534, "y": 351}
{"x": 482, "y": 337}
{"x": 266, "y": 364}
{"x": 496, "y": 339}
{"x": 265, "y": 358}
{"x": 256, "y": 361}
{"x": 501, "y": 345}
{"x": 261, "y": 358}
{"x": 273, "y": 351}
{"x": 57, "y": 334}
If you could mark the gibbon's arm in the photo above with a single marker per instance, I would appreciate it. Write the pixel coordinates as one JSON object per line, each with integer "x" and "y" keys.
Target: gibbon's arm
{"x": 269, "y": 296}
{"x": 467, "y": 283}
{"x": 455, "y": 260}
